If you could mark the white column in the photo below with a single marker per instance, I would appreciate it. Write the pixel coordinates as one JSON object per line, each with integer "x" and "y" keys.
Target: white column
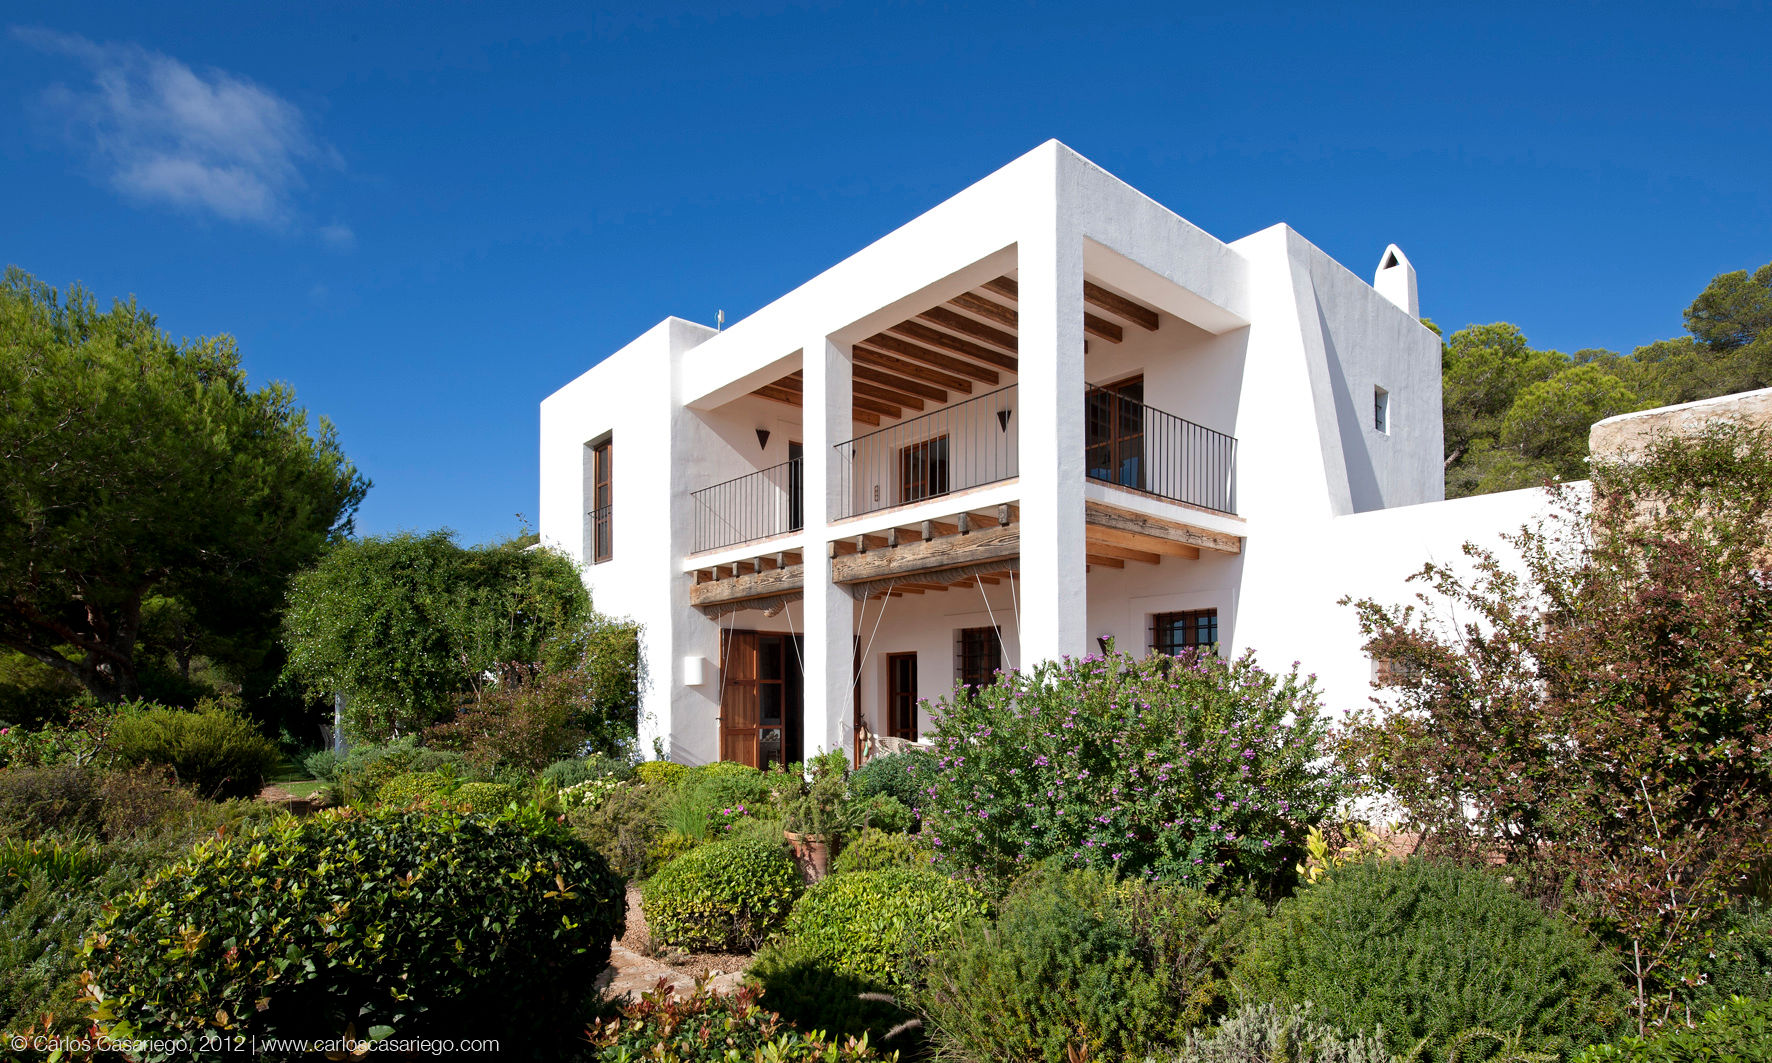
{"x": 830, "y": 612}
{"x": 1054, "y": 580}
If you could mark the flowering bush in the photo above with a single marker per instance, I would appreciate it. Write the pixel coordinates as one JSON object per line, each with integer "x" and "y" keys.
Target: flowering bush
{"x": 722, "y": 820}
{"x": 590, "y": 793}
{"x": 1190, "y": 768}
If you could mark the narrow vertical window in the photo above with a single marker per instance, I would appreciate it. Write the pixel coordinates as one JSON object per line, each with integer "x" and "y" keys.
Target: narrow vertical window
{"x": 978, "y": 653}
{"x": 602, "y": 515}
{"x": 1381, "y": 410}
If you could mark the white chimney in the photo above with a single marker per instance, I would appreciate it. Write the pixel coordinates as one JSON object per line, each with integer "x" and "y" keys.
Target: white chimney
{"x": 1395, "y": 280}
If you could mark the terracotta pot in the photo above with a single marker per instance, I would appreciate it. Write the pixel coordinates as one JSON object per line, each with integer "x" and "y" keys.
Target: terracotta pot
{"x": 812, "y": 854}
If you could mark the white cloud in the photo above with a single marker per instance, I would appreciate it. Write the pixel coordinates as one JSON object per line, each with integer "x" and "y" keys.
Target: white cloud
{"x": 161, "y": 132}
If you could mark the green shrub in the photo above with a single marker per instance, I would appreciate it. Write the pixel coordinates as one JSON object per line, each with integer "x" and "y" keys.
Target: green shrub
{"x": 42, "y": 928}
{"x": 878, "y": 850}
{"x": 367, "y": 766}
{"x": 1737, "y": 963}
{"x": 729, "y": 769}
{"x": 416, "y": 788}
{"x": 1264, "y": 1033}
{"x": 902, "y": 776}
{"x": 1430, "y": 950}
{"x": 882, "y": 925}
{"x": 564, "y": 773}
{"x": 58, "y": 862}
{"x": 414, "y": 922}
{"x": 811, "y": 991}
{"x": 721, "y": 896}
{"x": 708, "y": 1027}
{"x": 1077, "y": 962}
{"x": 1194, "y": 769}
{"x": 1738, "y": 1032}
{"x": 323, "y": 765}
{"x": 487, "y": 796}
{"x": 624, "y": 827}
{"x": 213, "y": 750}
{"x": 882, "y": 812}
{"x": 62, "y": 798}
{"x": 659, "y": 772}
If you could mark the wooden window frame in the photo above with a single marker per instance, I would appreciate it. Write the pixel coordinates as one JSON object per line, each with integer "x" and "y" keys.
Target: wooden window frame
{"x": 901, "y": 704}
{"x": 602, "y": 511}
{"x": 1117, "y": 410}
{"x": 924, "y": 471}
{"x": 1164, "y": 627}
{"x": 978, "y": 654}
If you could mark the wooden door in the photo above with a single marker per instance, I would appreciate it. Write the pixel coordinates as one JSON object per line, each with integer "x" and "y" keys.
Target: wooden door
{"x": 761, "y": 698}
{"x": 1113, "y": 433}
{"x": 901, "y": 695}
{"x": 738, "y": 698}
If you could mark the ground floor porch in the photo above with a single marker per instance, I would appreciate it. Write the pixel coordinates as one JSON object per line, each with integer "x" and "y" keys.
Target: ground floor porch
{"x": 932, "y": 607}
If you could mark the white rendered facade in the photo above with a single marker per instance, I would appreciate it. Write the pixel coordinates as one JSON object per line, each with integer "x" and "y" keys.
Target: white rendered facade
{"x": 1327, "y": 387}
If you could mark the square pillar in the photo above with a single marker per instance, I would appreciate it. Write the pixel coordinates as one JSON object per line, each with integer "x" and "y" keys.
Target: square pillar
{"x": 1054, "y": 567}
{"x": 828, "y": 371}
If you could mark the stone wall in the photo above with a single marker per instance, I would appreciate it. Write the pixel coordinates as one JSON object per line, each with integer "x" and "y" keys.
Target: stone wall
{"x": 1625, "y": 436}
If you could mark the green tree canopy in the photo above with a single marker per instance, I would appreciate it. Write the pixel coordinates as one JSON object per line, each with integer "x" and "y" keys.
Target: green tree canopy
{"x": 138, "y": 470}
{"x": 1516, "y": 416}
{"x": 409, "y": 627}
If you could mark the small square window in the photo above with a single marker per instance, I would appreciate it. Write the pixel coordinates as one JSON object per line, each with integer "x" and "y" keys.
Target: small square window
{"x": 1195, "y": 629}
{"x": 1381, "y": 410}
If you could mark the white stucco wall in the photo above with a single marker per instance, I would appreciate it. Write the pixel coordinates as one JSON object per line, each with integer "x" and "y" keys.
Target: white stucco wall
{"x": 1265, "y": 338}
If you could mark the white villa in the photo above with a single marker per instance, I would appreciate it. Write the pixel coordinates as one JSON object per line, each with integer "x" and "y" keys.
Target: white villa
{"x": 1046, "y": 413}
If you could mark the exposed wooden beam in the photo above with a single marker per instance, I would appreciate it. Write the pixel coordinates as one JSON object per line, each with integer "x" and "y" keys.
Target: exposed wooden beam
{"x": 1126, "y": 553}
{"x": 942, "y": 587}
{"x": 897, "y": 398}
{"x": 753, "y": 585}
{"x": 936, "y": 338}
{"x": 985, "y": 308}
{"x": 1105, "y": 562}
{"x": 1099, "y": 515}
{"x": 866, "y": 417}
{"x": 965, "y": 326}
{"x": 775, "y": 394}
{"x": 1102, "y": 327}
{"x": 876, "y": 406}
{"x": 1095, "y": 295}
{"x": 1142, "y": 316}
{"x": 893, "y": 364}
{"x": 900, "y": 346}
{"x": 989, "y": 544}
{"x": 1005, "y": 286}
{"x": 897, "y": 383}
{"x": 1106, "y": 538}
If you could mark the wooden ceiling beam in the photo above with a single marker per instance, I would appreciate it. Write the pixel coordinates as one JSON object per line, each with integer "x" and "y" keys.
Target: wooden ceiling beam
{"x": 985, "y": 308}
{"x": 904, "y": 348}
{"x": 875, "y": 391}
{"x": 875, "y": 406}
{"x": 1142, "y": 316}
{"x": 943, "y": 341}
{"x": 775, "y": 394}
{"x": 1105, "y": 562}
{"x": 898, "y": 383}
{"x": 965, "y": 326}
{"x": 1093, "y": 294}
{"x": 891, "y": 364}
{"x": 1124, "y": 553}
{"x": 1102, "y": 328}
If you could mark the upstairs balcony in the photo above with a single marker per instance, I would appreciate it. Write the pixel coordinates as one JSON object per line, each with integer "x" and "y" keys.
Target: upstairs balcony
{"x": 970, "y": 444}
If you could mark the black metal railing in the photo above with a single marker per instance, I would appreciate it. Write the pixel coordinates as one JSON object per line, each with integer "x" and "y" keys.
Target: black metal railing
{"x": 968, "y": 444}
{"x": 1133, "y": 445}
{"x": 757, "y": 505}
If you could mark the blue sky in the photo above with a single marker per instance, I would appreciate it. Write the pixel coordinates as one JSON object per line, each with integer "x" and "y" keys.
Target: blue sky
{"x": 426, "y": 217}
